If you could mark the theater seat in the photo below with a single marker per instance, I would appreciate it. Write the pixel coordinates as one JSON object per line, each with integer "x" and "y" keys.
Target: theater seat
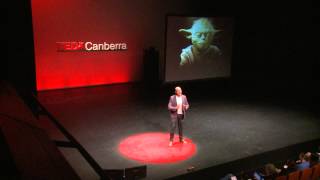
{"x": 294, "y": 175}
{"x": 316, "y": 172}
{"x": 281, "y": 178}
{"x": 306, "y": 174}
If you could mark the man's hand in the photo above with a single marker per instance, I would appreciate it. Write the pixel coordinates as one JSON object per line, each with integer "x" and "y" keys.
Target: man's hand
{"x": 185, "y": 107}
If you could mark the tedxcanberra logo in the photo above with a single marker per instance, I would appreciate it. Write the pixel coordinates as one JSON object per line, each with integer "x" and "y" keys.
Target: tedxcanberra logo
{"x": 89, "y": 46}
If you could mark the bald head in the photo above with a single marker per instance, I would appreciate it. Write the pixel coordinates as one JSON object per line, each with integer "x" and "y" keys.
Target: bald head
{"x": 178, "y": 91}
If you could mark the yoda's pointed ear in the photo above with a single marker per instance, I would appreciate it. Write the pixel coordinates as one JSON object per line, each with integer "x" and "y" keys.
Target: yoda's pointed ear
{"x": 186, "y": 32}
{"x": 217, "y": 30}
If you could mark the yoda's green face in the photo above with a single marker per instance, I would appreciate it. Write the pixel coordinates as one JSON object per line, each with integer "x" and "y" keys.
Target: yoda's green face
{"x": 201, "y": 33}
{"x": 201, "y": 39}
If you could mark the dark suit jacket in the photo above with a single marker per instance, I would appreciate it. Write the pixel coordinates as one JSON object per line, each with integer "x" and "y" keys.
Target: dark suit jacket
{"x": 172, "y": 106}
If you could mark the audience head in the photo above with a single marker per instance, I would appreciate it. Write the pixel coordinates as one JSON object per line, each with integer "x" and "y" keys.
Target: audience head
{"x": 314, "y": 159}
{"x": 229, "y": 176}
{"x": 307, "y": 156}
{"x": 301, "y": 155}
{"x": 270, "y": 169}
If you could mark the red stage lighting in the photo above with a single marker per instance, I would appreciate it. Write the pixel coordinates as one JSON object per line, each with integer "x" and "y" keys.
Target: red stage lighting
{"x": 153, "y": 148}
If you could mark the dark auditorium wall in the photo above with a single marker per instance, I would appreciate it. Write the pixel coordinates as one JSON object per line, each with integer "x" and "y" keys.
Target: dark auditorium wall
{"x": 273, "y": 54}
{"x": 19, "y": 64}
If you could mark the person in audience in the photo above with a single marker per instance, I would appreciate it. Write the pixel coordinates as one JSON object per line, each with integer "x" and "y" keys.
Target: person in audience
{"x": 314, "y": 159}
{"x": 304, "y": 163}
{"x": 229, "y": 177}
{"x": 290, "y": 166}
{"x": 269, "y": 170}
{"x": 301, "y": 156}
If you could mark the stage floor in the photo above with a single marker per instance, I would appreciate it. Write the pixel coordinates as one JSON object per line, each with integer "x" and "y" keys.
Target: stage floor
{"x": 222, "y": 127}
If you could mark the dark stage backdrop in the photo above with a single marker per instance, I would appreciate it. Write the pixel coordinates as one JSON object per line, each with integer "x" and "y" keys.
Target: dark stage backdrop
{"x": 61, "y": 29}
{"x": 265, "y": 56}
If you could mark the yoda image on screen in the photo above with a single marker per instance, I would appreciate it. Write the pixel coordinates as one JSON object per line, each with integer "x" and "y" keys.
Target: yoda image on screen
{"x": 201, "y": 50}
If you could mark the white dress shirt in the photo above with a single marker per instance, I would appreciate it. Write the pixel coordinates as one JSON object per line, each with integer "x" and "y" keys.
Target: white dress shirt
{"x": 179, "y": 104}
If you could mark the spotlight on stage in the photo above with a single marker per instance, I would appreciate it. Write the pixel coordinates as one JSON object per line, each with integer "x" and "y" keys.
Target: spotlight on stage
{"x": 153, "y": 148}
{"x": 132, "y": 173}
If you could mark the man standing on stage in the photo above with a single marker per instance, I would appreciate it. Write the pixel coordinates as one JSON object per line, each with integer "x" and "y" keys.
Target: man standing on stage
{"x": 178, "y": 105}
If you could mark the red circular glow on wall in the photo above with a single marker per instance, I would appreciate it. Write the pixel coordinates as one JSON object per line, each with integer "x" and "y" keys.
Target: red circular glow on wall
{"x": 154, "y": 148}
